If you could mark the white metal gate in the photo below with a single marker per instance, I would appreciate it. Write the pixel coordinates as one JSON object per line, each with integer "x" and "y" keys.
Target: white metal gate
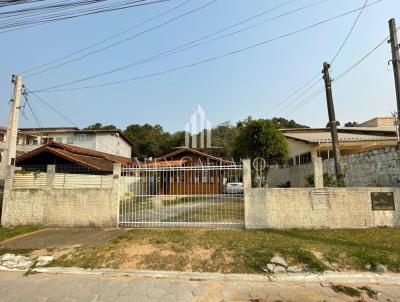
{"x": 183, "y": 196}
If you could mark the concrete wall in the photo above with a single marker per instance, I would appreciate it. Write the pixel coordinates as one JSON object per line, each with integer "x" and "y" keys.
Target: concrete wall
{"x": 61, "y": 207}
{"x": 296, "y": 175}
{"x": 372, "y": 168}
{"x": 317, "y": 208}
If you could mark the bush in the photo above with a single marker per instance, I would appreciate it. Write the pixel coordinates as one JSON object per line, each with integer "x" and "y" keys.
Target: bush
{"x": 329, "y": 181}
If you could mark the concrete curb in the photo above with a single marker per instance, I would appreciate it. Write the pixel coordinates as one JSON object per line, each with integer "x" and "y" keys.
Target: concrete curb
{"x": 327, "y": 277}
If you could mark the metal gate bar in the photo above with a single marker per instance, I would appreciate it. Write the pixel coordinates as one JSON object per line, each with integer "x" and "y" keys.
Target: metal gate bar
{"x": 184, "y": 196}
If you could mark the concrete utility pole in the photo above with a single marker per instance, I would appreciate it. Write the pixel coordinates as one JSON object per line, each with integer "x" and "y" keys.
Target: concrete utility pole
{"x": 9, "y": 154}
{"x": 396, "y": 66}
{"x": 333, "y": 124}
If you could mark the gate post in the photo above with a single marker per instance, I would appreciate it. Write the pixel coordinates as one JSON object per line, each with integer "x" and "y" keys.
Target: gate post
{"x": 247, "y": 188}
{"x": 318, "y": 173}
{"x": 115, "y": 194}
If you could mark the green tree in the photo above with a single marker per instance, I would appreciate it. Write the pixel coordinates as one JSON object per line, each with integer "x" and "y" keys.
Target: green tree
{"x": 222, "y": 138}
{"x": 351, "y": 124}
{"x": 99, "y": 126}
{"x": 282, "y": 123}
{"x": 259, "y": 138}
{"x": 148, "y": 140}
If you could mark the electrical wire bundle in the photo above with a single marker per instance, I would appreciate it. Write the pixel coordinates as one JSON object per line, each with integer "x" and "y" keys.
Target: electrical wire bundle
{"x": 37, "y": 12}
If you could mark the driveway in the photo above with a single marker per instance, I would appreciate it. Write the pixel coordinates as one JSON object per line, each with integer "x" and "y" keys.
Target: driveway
{"x": 62, "y": 238}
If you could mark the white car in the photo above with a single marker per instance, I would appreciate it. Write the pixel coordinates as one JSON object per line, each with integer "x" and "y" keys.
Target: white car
{"x": 234, "y": 185}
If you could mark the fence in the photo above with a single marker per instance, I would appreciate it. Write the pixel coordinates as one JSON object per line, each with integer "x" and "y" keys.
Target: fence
{"x": 65, "y": 177}
{"x": 184, "y": 196}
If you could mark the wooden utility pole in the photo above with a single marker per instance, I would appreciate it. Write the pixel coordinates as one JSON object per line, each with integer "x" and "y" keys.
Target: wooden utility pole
{"x": 396, "y": 67}
{"x": 9, "y": 154}
{"x": 333, "y": 124}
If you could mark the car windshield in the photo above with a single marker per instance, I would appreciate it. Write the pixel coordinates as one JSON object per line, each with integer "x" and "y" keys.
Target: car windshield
{"x": 235, "y": 178}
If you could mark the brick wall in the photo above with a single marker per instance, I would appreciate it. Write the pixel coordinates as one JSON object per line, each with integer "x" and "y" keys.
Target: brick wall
{"x": 317, "y": 208}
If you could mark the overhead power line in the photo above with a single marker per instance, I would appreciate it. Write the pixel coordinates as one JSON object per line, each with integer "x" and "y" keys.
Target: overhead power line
{"x": 156, "y": 56}
{"x": 64, "y": 12}
{"x": 51, "y": 107}
{"x": 108, "y": 38}
{"x": 341, "y": 76}
{"x": 191, "y": 44}
{"x": 350, "y": 32}
{"x": 316, "y": 78}
{"x": 52, "y": 88}
{"x": 128, "y": 38}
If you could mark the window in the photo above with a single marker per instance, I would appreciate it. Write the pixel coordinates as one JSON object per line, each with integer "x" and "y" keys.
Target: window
{"x": 45, "y": 140}
{"x": 59, "y": 140}
{"x": 1, "y": 137}
{"x": 34, "y": 142}
{"x": 70, "y": 140}
{"x": 81, "y": 138}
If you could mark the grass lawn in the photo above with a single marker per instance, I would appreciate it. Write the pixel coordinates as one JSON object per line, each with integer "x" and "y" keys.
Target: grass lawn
{"x": 240, "y": 251}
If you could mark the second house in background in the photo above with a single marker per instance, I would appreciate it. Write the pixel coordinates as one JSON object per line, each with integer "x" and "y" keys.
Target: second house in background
{"x": 108, "y": 141}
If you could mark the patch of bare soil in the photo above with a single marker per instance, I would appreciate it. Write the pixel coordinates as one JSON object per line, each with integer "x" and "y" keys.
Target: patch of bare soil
{"x": 134, "y": 253}
{"x": 37, "y": 253}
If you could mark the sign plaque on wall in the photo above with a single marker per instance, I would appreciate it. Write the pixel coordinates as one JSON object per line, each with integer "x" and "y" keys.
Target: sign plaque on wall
{"x": 382, "y": 201}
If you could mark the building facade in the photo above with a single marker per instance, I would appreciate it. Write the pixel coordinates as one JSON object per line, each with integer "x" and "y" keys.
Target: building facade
{"x": 107, "y": 141}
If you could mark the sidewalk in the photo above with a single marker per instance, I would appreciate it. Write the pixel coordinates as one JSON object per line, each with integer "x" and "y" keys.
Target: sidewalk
{"x": 71, "y": 287}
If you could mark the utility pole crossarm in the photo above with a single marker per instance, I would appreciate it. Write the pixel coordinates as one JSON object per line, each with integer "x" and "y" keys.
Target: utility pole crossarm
{"x": 396, "y": 66}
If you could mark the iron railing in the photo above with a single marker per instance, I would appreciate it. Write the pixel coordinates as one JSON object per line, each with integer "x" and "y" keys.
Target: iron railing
{"x": 183, "y": 196}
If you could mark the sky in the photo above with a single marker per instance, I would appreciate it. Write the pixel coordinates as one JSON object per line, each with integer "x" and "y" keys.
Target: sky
{"x": 249, "y": 83}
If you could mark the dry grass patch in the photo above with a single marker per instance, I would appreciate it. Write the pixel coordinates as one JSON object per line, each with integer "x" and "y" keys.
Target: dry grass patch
{"x": 240, "y": 251}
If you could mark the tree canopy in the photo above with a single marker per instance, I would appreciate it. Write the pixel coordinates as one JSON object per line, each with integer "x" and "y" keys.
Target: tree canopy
{"x": 248, "y": 138}
{"x": 259, "y": 138}
{"x": 351, "y": 124}
{"x": 99, "y": 126}
{"x": 282, "y": 123}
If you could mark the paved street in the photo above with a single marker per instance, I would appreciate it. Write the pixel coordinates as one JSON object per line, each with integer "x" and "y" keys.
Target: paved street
{"x": 15, "y": 287}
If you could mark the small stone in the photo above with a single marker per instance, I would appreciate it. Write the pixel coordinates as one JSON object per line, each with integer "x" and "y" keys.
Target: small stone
{"x": 45, "y": 258}
{"x": 9, "y": 264}
{"x": 294, "y": 269}
{"x": 20, "y": 258}
{"x": 7, "y": 257}
{"x": 381, "y": 268}
{"x": 24, "y": 264}
{"x": 368, "y": 266}
{"x": 278, "y": 261}
{"x": 279, "y": 269}
{"x": 270, "y": 267}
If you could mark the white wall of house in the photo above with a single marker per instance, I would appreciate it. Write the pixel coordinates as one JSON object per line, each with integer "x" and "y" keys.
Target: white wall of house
{"x": 108, "y": 142}
{"x": 112, "y": 143}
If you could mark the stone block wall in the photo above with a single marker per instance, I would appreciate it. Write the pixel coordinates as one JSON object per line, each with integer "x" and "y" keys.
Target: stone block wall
{"x": 372, "y": 168}
{"x": 379, "y": 168}
{"x": 317, "y": 208}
